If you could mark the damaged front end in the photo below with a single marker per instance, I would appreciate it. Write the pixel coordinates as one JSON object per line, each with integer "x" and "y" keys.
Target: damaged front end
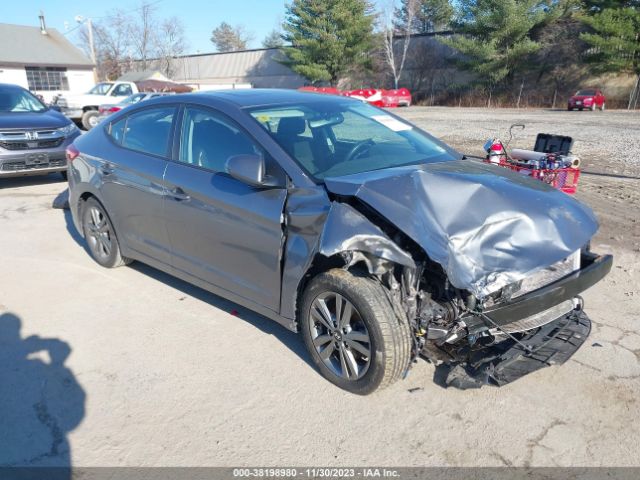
{"x": 488, "y": 279}
{"x": 505, "y": 336}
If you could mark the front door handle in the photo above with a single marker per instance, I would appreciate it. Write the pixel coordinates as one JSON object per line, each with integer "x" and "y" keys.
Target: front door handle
{"x": 106, "y": 169}
{"x": 179, "y": 195}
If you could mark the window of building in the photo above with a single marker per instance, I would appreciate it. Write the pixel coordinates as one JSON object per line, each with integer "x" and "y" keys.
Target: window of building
{"x": 47, "y": 78}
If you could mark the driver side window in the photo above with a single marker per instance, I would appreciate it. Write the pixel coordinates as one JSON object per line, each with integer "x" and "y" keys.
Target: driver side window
{"x": 122, "y": 90}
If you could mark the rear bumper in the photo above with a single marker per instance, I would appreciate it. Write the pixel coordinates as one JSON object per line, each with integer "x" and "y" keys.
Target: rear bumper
{"x": 33, "y": 171}
{"x": 73, "y": 113}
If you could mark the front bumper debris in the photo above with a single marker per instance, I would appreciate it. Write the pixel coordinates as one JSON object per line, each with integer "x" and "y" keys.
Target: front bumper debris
{"x": 498, "y": 365}
{"x": 594, "y": 268}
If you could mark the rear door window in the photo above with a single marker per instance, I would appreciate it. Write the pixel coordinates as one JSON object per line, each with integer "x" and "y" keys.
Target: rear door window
{"x": 146, "y": 131}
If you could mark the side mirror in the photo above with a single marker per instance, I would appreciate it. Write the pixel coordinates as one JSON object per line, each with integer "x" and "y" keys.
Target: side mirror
{"x": 250, "y": 169}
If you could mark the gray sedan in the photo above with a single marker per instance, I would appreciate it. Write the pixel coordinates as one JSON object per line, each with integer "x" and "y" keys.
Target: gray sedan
{"x": 375, "y": 240}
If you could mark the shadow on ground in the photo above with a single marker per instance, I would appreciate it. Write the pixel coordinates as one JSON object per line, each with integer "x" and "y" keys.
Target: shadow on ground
{"x": 40, "y": 403}
{"x": 288, "y": 338}
{"x": 15, "y": 182}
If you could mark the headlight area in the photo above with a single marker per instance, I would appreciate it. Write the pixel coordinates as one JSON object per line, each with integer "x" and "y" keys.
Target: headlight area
{"x": 68, "y": 129}
{"x": 524, "y": 327}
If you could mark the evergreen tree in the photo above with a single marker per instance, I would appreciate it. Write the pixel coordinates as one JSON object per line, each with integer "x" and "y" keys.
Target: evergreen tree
{"x": 495, "y": 40}
{"x": 273, "y": 39}
{"x": 229, "y": 39}
{"x": 328, "y": 37}
{"x": 615, "y": 43}
{"x": 429, "y": 16}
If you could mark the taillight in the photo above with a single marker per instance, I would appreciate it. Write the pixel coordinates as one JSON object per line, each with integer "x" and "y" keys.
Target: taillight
{"x": 115, "y": 109}
{"x": 72, "y": 153}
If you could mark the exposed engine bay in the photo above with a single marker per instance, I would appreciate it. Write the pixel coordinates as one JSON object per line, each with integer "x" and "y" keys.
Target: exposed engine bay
{"x": 455, "y": 331}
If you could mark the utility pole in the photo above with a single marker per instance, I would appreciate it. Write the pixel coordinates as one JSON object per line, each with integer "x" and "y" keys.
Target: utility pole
{"x": 91, "y": 46}
{"x": 81, "y": 19}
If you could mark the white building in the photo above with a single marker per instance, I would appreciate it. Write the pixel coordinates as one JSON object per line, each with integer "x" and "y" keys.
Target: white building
{"x": 43, "y": 61}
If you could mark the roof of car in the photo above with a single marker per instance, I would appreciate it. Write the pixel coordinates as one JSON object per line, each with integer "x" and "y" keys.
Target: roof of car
{"x": 253, "y": 97}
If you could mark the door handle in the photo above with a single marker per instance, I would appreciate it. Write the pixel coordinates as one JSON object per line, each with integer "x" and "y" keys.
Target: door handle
{"x": 179, "y": 195}
{"x": 106, "y": 169}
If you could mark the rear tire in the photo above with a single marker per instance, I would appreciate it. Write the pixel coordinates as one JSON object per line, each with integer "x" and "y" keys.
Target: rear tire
{"x": 90, "y": 119}
{"x": 363, "y": 346}
{"x": 100, "y": 235}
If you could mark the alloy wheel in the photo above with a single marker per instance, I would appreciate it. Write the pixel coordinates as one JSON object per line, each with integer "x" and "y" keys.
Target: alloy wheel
{"x": 98, "y": 233}
{"x": 340, "y": 336}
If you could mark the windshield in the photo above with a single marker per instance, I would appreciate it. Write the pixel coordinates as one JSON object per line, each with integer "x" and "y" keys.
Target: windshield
{"x": 19, "y": 100}
{"x": 330, "y": 139}
{"x": 100, "y": 89}
{"x": 585, "y": 93}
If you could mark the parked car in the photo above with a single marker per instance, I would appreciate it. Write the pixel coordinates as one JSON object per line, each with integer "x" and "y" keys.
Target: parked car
{"x": 84, "y": 107}
{"x": 590, "y": 98}
{"x": 375, "y": 240}
{"x": 33, "y": 137}
{"x": 109, "y": 108}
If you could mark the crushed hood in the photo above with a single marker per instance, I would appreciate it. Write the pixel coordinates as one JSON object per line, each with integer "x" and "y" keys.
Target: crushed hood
{"x": 487, "y": 226}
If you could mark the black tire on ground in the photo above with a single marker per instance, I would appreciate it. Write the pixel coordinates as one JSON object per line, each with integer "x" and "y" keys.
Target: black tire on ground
{"x": 389, "y": 336}
{"x": 580, "y": 109}
{"x": 89, "y": 118}
{"x": 100, "y": 235}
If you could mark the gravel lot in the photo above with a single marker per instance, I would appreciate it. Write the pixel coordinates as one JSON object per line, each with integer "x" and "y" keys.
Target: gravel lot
{"x": 132, "y": 367}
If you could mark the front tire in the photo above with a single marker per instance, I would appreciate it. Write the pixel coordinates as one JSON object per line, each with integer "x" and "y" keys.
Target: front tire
{"x": 352, "y": 332}
{"x": 100, "y": 236}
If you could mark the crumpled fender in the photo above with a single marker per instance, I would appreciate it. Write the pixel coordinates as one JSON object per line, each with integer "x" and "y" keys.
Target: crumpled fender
{"x": 315, "y": 224}
{"x": 347, "y": 230}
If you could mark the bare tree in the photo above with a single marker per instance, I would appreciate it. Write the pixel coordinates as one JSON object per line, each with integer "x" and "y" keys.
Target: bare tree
{"x": 391, "y": 50}
{"x": 142, "y": 33}
{"x": 123, "y": 40}
{"x": 170, "y": 42}
{"x": 112, "y": 40}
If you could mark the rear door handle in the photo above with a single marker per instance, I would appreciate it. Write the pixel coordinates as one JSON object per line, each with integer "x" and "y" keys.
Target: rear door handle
{"x": 179, "y": 195}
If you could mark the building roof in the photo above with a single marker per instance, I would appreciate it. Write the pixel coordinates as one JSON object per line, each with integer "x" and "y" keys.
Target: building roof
{"x": 24, "y": 45}
{"x": 260, "y": 67}
{"x": 144, "y": 75}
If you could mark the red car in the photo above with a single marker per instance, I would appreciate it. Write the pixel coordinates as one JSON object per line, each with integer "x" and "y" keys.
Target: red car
{"x": 590, "y": 98}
